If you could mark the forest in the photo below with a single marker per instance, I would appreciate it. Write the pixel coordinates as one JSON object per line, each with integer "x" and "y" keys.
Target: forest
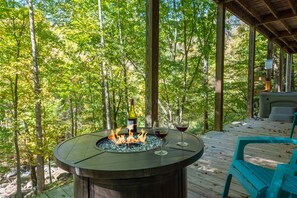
{"x": 70, "y": 67}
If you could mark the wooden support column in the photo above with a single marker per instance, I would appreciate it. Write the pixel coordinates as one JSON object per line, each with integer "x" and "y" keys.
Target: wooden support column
{"x": 251, "y": 66}
{"x": 293, "y": 88}
{"x": 219, "y": 84}
{"x": 288, "y": 73}
{"x": 269, "y": 71}
{"x": 152, "y": 59}
{"x": 280, "y": 72}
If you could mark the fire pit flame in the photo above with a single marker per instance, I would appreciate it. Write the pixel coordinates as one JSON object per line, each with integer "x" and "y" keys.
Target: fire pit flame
{"x": 121, "y": 138}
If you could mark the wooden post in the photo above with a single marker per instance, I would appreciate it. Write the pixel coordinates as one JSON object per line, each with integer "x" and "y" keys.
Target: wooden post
{"x": 292, "y": 74}
{"x": 220, "y": 66}
{"x": 251, "y": 66}
{"x": 269, "y": 71}
{"x": 152, "y": 59}
{"x": 288, "y": 72}
{"x": 280, "y": 72}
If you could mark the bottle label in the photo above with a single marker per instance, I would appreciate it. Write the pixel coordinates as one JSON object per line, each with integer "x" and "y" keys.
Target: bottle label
{"x": 132, "y": 125}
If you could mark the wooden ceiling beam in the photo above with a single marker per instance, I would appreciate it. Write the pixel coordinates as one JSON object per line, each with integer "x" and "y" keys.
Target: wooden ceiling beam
{"x": 284, "y": 34}
{"x": 276, "y": 15}
{"x": 265, "y": 32}
{"x": 271, "y": 8}
{"x": 246, "y": 6}
{"x": 293, "y": 44}
{"x": 290, "y": 46}
{"x": 292, "y": 4}
{"x": 286, "y": 43}
{"x": 241, "y": 13}
{"x": 264, "y": 23}
{"x": 269, "y": 18}
{"x": 282, "y": 45}
{"x": 295, "y": 38}
{"x": 286, "y": 26}
{"x": 272, "y": 30}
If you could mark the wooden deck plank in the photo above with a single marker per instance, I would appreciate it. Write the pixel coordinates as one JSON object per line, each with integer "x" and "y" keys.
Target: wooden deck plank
{"x": 57, "y": 192}
{"x": 68, "y": 189}
{"x": 213, "y": 182}
{"x": 65, "y": 191}
{"x": 42, "y": 195}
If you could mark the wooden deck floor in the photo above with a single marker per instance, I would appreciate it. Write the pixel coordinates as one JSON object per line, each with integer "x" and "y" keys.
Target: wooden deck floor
{"x": 59, "y": 192}
{"x": 206, "y": 177}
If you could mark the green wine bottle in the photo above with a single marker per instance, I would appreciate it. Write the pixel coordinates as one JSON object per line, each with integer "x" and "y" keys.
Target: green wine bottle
{"x": 132, "y": 118}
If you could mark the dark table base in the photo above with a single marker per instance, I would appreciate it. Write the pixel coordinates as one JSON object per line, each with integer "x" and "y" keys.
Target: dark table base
{"x": 172, "y": 184}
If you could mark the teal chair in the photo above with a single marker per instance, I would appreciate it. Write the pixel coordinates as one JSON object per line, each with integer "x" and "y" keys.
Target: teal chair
{"x": 260, "y": 181}
{"x": 293, "y": 124}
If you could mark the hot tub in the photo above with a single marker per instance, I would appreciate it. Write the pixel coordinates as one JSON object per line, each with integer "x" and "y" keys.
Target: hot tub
{"x": 267, "y": 100}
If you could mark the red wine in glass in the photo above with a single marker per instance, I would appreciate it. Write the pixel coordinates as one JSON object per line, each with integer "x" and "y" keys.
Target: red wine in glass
{"x": 182, "y": 126}
{"x": 161, "y": 134}
{"x": 161, "y": 131}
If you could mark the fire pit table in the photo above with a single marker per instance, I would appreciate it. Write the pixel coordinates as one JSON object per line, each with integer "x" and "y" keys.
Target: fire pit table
{"x": 101, "y": 173}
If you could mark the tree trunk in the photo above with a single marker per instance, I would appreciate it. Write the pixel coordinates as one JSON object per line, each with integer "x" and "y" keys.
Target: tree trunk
{"x": 175, "y": 31}
{"x": 114, "y": 110}
{"x": 50, "y": 169}
{"x": 123, "y": 63}
{"x": 185, "y": 65}
{"x": 76, "y": 117}
{"x": 104, "y": 120}
{"x": 14, "y": 92}
{"x": 40, "y": 158}
{"x": 31, "y": 160}
{"x": 104, "y": 70}
{"x": 15, "y": 128}
{"x": 33, "y": 175}
{"x": 71, "y": 116}
{"x": 205, "y": 102}
{"x": 92, "y": 103}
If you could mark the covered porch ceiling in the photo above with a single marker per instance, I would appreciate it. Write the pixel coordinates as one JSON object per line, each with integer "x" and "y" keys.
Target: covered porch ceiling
{"x": 275, "y": 19}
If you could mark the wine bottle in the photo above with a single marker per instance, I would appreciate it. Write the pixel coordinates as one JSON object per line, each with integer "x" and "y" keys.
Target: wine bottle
{"x": 132, "y": 118}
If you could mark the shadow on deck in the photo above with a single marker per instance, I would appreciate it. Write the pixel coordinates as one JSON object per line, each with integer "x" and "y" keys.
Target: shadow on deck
{"x": 206, "y": 177}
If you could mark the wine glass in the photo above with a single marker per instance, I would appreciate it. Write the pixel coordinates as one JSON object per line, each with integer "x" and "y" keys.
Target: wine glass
{"x": 161, "y": 131}
{"x": 182, "y": 126}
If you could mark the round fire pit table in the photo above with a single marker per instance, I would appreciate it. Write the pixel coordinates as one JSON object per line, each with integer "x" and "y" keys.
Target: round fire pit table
{"x": 100, "y": 173}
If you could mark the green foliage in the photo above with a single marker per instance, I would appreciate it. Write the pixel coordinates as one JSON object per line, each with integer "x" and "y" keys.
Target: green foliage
{"x": 187, "y": 39}
{"x": 71, "y": 54}
{"x": 6, "y": 143}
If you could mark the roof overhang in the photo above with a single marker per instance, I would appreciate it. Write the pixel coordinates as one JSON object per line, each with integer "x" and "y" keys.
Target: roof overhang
{"x": 275, "y": 19}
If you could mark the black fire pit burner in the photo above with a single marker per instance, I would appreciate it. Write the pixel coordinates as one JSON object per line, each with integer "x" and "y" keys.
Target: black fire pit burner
{"x": 150, "y": 143}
